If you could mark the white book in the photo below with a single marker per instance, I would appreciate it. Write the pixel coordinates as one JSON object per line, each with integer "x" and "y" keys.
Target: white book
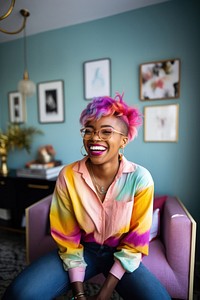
{"x": 40, "y": 171}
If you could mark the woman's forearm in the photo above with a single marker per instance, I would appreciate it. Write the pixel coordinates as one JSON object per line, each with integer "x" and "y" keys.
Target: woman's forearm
{"x": 108, "y": 287}
{"x": 77, "y": 288}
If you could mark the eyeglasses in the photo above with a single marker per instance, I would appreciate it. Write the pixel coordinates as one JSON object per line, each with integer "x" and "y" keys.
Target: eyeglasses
{"x": 104, "y": 134}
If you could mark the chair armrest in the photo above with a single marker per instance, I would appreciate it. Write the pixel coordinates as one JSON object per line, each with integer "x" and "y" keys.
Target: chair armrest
{"x": 179, "y": 236}
{"x": 38, "y": 238}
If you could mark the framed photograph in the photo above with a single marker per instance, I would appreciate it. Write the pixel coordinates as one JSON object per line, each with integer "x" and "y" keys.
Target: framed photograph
{"x": 97, "y": 78}
{"x": 51, "y": 102}
{"x": 17, "y": 110}
{"x": 161, "y": 123}
{"x": 160, "y": 80}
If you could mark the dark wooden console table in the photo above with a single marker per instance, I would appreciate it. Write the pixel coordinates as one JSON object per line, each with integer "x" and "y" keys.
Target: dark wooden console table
{"x": 17, "y": 193}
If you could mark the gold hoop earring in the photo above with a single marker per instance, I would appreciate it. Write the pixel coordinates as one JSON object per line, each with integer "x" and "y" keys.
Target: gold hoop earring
{"x": 121, "y": 153}
{"x": 82, "y": 147}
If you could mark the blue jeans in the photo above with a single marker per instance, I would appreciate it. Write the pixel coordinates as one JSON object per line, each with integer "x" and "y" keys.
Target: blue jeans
{"x": 46, "y": 279}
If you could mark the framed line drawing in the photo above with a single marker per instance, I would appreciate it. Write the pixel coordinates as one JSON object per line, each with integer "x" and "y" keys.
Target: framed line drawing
{"x": 51, "y": 102}
{"x": 160, "y": 80}
{"x": 97, "y": 78}
{"x": 161, "y": 123}
{"x": 17, "y": 109}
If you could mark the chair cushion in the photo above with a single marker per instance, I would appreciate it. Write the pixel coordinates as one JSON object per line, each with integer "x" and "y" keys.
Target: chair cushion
{"x": 155, "y": 227}
{"x": 157, "y": 209}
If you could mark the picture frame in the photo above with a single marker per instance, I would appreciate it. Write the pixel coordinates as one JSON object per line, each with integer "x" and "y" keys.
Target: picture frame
{"x": 160, "y": 80}
{"x": 161, "y": 123}
{"x": 17, "y": 109}
{"x": 51, "y": 101}
{"x": 97, "y": 78}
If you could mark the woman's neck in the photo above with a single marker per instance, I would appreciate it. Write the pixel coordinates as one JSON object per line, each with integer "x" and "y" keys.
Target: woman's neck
{"x": 102, "y": 176}
{"x": 106, "y": 170}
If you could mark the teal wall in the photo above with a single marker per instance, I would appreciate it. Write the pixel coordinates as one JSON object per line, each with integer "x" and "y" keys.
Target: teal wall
{"x": 167, "y": 30}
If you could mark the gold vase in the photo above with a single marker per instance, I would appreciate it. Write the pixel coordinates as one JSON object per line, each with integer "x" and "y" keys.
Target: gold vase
{"x": 4, "y": 167}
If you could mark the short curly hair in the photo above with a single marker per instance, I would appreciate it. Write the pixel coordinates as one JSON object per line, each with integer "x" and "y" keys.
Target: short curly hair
{"x": 107, "y": 106}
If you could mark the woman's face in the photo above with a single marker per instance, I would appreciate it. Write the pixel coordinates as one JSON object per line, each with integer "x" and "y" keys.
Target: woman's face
{"x": 102, "y": 151}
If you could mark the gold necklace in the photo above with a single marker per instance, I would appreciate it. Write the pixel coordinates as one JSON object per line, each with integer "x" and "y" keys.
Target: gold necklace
{"x": 100, "y": 189}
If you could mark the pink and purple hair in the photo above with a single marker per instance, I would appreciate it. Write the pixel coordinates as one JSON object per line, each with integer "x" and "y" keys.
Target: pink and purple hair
{"x": 107, "y": 106}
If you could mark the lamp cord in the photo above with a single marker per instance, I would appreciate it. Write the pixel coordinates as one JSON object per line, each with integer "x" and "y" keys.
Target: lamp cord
{"x": 25, "y": 51}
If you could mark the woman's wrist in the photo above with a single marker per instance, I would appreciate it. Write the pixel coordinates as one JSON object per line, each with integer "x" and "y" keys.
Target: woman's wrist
{"x": 79, "y": 295}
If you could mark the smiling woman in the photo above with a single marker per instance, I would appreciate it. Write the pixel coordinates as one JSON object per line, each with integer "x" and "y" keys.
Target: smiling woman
{"x": 100, "y": 216}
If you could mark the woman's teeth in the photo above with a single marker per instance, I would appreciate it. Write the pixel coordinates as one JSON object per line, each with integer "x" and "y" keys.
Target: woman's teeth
{"x": 97, "y": 148}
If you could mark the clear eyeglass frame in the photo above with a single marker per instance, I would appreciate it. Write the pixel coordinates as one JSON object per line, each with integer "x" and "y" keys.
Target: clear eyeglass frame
{"x": 104, "y": 134}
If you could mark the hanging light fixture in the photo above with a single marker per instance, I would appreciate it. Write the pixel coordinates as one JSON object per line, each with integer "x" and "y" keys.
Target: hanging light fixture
{"x": 25, "y": 86}
{"x": 4, "y": 16}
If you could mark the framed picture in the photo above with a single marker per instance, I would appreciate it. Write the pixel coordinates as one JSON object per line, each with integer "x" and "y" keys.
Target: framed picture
{"x": 51, "y": 102}
{"x": 160, "y": 80}
{"x": 161, "y": 123}
{"x": 17, "y": 110}
{"x": 97, "y": 78}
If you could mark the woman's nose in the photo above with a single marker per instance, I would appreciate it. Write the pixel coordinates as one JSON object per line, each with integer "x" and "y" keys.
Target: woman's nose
{"x": 96, "y": 135}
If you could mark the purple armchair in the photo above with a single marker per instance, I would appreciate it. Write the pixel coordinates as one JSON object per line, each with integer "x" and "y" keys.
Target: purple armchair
{"x": 171, "y": 254}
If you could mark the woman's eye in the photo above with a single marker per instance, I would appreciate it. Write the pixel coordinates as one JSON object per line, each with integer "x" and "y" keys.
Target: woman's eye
{"x": 88, "y": 131}
{"x": 106, "y": 131}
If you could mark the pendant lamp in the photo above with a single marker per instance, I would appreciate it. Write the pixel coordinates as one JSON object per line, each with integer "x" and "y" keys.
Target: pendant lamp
{"x": 25, "y": 86}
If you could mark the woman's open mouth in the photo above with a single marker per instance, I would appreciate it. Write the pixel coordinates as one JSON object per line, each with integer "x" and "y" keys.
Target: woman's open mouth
{"x": 96, "y": 150}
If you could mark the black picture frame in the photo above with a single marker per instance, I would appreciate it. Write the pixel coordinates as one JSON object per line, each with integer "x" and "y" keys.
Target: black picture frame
{"x": 51, "y": 102}
{"x": 17, "y": 108}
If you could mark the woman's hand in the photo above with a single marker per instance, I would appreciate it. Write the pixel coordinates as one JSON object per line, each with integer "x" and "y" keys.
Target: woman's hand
{"x": 106, "y": 290}
{"x": 94, "y": 297}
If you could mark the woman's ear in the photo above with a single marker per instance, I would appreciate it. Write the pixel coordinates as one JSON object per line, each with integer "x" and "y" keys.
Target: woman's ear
{"x": 124, "y": 142}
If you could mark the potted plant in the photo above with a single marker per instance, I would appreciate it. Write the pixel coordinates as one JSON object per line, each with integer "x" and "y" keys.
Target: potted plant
{"x": 15, "y": 137}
